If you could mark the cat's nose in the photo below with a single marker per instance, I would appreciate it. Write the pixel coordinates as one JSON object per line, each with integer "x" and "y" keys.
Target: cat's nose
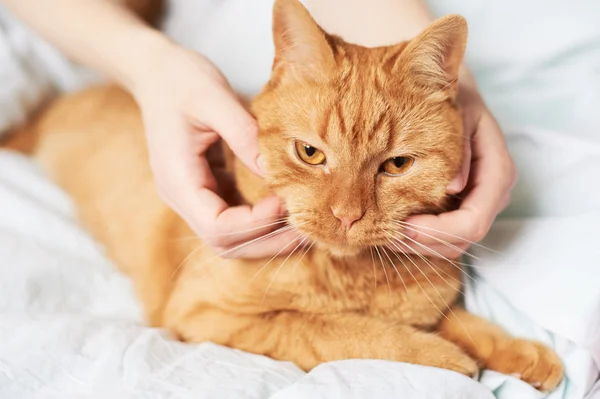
{"x": 348, "y": 218}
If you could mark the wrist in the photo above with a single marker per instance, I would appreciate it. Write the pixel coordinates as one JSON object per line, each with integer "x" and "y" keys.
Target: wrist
{"x": 151, "y": 46}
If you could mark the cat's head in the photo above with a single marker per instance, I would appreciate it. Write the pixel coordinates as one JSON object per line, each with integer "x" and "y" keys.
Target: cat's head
{"x": 354, "y": 139}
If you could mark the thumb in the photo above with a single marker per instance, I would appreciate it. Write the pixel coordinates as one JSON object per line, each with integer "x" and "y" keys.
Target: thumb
{"x": 223, "y": 113}
{"x": 459, "y": 181}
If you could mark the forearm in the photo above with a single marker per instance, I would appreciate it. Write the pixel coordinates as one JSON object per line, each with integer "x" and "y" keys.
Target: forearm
{"x": 372, "y": 23}
{"x": 377, "y": 22}
{"x": 103, "y": 35}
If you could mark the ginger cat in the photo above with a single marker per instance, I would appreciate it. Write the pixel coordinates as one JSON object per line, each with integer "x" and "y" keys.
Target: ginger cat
{"x": 354, "y": 140}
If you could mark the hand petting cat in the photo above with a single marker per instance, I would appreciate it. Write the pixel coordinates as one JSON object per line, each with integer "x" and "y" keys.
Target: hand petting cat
{"x": 483, "y": 185}
{"x": 185, "y": 112}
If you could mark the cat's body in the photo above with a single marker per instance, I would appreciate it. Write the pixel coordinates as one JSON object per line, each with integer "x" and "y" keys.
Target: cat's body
{"x": 319, "y": 304}
{"x": 200, "y": 296}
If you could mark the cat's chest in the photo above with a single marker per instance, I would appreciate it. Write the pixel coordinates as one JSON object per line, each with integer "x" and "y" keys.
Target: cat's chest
{"x": 411, "y": 291}
{"x": 405, "y": 289}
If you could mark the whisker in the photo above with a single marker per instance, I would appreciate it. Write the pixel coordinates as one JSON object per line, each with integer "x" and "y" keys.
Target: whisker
{"x": 394, "y": 266}
{"x": 272, "y": 258}
{"x": 446, "y": 243}
{"x": 242, "y": 247}
{"x": 447, "y": 306}
{"x": 204, "y": 236}
{"x": 422, "y": 289}
{"x": 448, "y": 234}
{"x": 247, "y": 244}
{"x": 374, "y": 268}
{"x": 199, "y": 247}
{"x": 385, "y": 273}
{"x": 430, "y": 264}
{"x": 280, "y": 267}
{"x": 303, "y": 254}
{"x": 433, "y": 252}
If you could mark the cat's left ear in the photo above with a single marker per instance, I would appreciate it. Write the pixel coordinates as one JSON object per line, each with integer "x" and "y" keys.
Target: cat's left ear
{"x": 432, "y": 60}
{"x": 302, "y": 49}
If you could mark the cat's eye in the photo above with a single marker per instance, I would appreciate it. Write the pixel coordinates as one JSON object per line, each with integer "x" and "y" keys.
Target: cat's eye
{"x": 397, "y": 166}
{"x": 309, "y": 154}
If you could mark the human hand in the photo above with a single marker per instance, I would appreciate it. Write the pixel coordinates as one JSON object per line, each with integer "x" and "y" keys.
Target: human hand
{"x": 187, "y": 105}
{"x": 484, "y": 184}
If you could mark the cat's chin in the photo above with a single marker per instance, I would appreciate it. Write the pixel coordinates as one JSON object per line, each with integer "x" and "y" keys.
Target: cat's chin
{"x": 342, "y": 251}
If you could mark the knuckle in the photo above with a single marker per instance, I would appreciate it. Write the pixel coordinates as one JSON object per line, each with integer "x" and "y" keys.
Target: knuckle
{"x": 454, "y": 254}
{"x": 211, "y": 237}
{"x": 505, "y": 201}
{"x": 478, "y": 231}
{"x": 447, "y": 252}
{"x": 463, "y": 245}
{"x": 162, "y": 191}
{"x": 511, "y": 172}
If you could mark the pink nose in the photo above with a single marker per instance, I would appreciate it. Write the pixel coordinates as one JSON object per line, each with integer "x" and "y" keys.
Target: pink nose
{"x": 347, "y": 218}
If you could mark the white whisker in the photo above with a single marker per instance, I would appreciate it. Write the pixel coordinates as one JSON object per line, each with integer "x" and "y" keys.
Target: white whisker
{"x": 272, "y": 258}
{"x": 385, "y": 273}
{"x": 446, "y": 243}
{"x": 433, "y": 252}
{"x": 280, "y": 266}
{"x": 394, "y": 266}
{"x": 374, "y": 268}
{"x": 448, "y": 234}
{"x": 422, "y": 289}
{"x": 428, "y": 263}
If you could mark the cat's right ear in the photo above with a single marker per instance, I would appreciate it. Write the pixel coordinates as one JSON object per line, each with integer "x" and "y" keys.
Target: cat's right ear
{"x": 432, "y": 60}
{"x": 302, "y": 50}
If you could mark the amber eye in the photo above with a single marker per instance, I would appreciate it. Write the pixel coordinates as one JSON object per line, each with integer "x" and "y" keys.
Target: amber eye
{"x": 309, "y": 154}
{"x": 397, "y": 165}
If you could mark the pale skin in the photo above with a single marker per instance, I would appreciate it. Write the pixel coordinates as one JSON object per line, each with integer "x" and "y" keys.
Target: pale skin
{"x": 188, "y": 105}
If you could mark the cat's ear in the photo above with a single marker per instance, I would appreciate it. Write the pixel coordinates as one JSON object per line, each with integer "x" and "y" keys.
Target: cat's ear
{"x": 432, "y": 60}
{"x": 302, "y": 48}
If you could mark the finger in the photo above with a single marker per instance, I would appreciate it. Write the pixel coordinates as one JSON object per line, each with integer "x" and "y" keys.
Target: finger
{"x": 460, "y": 180}
{"x": 224, "y": 114}
{"x": 243, "y": 231}
{"x": 492, "y": 180}
{"x": 244, "y": 223}
{"x": 281, "y": 242}
{"x": 460, "y": 226}
{"x": 254, "y": 232}
{"x": 437, "y": 250}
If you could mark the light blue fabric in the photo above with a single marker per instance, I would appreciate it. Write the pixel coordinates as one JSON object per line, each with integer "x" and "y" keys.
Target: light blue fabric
{"x": 537, "y": 61}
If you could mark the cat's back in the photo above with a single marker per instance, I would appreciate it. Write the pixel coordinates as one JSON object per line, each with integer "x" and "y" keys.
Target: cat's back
{"x": 92, "y": 144}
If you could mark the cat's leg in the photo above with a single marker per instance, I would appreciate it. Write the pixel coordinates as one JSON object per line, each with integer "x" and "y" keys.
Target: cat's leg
{"x": 309, "y": 340}
{"x": 497, "y": 350}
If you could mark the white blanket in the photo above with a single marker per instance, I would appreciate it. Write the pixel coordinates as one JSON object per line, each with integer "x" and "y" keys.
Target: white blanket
{"x": 69, "y": 324}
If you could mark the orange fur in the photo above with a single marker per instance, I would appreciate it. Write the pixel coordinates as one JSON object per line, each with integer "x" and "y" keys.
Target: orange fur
{"x": 340, "y": 299}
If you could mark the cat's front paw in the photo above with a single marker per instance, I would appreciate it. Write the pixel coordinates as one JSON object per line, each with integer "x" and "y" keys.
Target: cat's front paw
{"x": 458, "y": 361}
{"x": 530, "y": 361}
{"x": 437, "y": 352}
